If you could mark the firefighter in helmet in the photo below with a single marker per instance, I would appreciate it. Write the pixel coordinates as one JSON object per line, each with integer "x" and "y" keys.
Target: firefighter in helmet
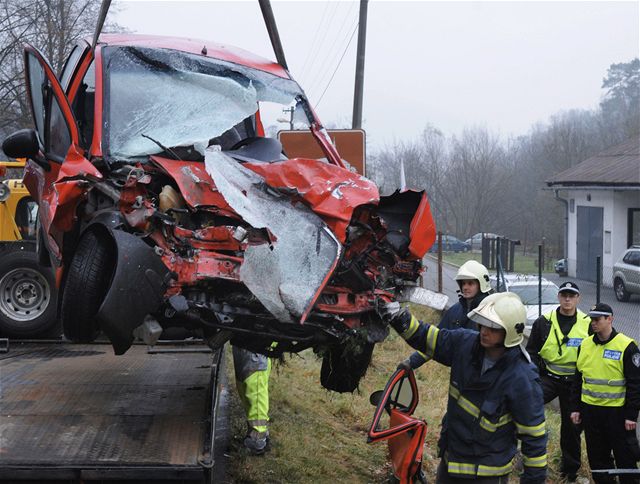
{"x": 495, "y": 395}
{"x": 473, "y": 280}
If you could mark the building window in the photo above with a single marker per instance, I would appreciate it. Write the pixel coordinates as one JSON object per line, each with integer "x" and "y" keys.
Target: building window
{"x": 633, "y": 229}
{"x": 607, "y": 242}
{"x": 572, "y": 205}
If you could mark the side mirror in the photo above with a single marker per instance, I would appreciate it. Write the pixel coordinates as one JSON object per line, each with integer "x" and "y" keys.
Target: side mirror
{"x": 24, "y": 144}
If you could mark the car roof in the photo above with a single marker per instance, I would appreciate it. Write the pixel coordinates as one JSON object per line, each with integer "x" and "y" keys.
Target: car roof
{"x": 524, "y": 280}
{"x": 197, "y": 46}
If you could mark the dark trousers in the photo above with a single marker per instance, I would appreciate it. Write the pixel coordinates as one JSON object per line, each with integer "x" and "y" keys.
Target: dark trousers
{"x": 443, "y": 477}
{"x": 604, "y": 432}
{"x": 569, "y": 433}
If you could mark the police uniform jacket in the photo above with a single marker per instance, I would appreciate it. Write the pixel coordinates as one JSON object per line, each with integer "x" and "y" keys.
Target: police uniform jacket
{"x": 630, "y": 359}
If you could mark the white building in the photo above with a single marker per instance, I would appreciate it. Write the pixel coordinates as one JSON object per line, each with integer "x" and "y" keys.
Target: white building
{"x": 602, "y": 198}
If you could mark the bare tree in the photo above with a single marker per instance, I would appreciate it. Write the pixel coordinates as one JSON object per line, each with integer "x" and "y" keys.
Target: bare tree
{"x": 52, "y": 26}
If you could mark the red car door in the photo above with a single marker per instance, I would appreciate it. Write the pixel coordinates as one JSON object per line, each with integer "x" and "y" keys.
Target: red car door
{"x": 56, "y": 180}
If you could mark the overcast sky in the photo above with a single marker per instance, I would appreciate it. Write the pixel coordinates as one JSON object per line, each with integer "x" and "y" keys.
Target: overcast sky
{"x": 505, "y": 65}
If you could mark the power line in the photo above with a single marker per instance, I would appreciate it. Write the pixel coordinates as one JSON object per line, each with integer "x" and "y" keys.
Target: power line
{"x": 336, "y": 69}
{"x": 315, "y": 39}
{"x": 324, "y": 33}
{"x": 331, "y": 52}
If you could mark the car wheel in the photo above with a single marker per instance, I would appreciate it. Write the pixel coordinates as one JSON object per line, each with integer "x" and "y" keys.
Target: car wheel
{"x": 620, "y": 290}
{"x": 88, "y": 280}
{"x": 344, "y": 365}
{"x": 465, "y": 249}
{"x": 28, "y": 295}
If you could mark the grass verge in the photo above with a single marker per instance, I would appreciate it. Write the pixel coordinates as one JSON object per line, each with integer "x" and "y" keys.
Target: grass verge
{"x": 320, "y": 436}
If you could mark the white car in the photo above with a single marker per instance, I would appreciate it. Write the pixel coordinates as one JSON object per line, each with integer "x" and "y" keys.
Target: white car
{"x": 526, "y": 287}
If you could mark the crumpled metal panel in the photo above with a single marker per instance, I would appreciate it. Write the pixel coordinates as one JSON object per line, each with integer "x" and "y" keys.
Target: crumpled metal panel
{"x": 332, "y": 192}
{"x": 196, "y": 186}
{"x": 288, "y": 276}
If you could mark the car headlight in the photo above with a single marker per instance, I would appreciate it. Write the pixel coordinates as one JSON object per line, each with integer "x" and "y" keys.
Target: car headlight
{"x": 4, "y": 192}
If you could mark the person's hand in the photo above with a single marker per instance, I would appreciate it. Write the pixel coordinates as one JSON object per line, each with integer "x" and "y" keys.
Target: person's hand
{"x": 575, "y": 418}
{"x": 629, "y": 425}
{"x": 404, "y": 365}
{"x": 389, "y": 310}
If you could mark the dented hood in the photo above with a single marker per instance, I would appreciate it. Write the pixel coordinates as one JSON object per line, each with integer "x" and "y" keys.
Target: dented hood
{"x": 331, "y": 192}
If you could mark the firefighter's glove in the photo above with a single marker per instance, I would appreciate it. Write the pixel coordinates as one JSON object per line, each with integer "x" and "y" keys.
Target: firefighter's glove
{"x": 395, "y": 316}
{"x": 389, "y": 311}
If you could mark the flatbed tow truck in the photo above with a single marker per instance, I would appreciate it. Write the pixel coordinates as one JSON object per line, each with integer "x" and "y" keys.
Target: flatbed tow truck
{"x": 78, "y": 413}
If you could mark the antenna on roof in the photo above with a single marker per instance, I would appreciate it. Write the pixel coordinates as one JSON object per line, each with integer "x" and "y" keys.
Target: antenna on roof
{"x": 272, "y": 29}
{"x": 104, "y": 9}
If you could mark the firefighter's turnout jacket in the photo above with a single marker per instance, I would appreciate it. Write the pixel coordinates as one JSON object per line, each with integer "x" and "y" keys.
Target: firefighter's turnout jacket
{"x": 454, "y": 318}
{"x": 487, "y": 411}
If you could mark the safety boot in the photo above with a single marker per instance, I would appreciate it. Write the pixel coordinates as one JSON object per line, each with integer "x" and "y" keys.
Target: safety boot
{"x": 257, "y": 443}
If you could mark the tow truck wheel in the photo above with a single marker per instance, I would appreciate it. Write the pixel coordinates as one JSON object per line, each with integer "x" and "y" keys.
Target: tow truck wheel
{"x": 88, "y": 280}
{"x": 27, "y": 295}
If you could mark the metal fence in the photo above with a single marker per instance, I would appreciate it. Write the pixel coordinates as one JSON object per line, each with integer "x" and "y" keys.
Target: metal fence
{"x": 505, "y": 263}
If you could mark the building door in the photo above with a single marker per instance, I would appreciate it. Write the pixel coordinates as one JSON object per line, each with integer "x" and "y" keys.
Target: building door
{"x": 589, "y": 244}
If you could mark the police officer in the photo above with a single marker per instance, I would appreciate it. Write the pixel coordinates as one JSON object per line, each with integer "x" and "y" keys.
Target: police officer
{"x": 494, "y": 393}
{"x": 606, "y": 396}
{"x": 473, "y": 280}
{"x": 553, "y": 347}
{"x": 252, "y": 372}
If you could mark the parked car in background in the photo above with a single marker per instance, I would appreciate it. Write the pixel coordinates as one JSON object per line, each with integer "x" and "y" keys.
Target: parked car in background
{"x": 560, "y": 266}
{"x": 626, "y": 274}
{"x": 451, "y": 244}
{"x": 475, "y": 241}
{"x": 526, "y": 287}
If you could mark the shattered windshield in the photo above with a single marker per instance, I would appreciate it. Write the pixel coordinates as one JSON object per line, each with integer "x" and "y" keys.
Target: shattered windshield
{"x": 171, "y": 98}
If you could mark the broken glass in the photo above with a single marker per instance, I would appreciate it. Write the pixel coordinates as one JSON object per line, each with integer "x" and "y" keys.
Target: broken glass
{"x": 287, "y": 276}
{"x": 180, "y": 99}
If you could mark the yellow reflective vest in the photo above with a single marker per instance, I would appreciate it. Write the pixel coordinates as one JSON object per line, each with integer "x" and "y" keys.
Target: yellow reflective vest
{"x": 559, "y": 353}
{"x": 602, "y": 369}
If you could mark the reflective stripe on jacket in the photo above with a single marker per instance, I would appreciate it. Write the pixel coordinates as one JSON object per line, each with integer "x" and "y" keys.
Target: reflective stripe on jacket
{"x": 602, "y": 369}
{"x": 559, "y": 353}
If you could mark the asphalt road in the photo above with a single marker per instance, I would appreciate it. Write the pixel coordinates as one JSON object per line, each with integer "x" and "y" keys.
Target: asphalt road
{"x": 626, "y": 315}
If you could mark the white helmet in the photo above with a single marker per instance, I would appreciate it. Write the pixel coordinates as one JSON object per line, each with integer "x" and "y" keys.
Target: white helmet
{"x": 502, "y": 310}
{"x": 474, "y": 270}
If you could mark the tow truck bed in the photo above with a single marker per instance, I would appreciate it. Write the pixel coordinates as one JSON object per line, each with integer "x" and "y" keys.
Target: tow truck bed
{"x": 78, "y": 412}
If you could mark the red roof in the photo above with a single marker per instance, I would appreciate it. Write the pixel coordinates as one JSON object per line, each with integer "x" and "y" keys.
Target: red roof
{"x": 196, "y": 46}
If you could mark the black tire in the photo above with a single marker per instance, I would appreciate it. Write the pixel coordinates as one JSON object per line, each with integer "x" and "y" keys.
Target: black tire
{"x": 28, "y": 295}
{"x": 344, "y": 366}
{"x": 88, "y": 279}
{"x": 621, "y": 291}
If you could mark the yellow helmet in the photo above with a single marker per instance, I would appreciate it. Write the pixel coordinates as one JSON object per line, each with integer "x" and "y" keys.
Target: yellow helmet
{"x": 474, "y": 270}
{"x": 503, "y": 310}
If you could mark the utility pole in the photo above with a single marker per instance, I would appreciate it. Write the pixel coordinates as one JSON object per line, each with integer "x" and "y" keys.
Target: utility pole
{"x": 356, "y": 122}
{"x": 290, "y": 110}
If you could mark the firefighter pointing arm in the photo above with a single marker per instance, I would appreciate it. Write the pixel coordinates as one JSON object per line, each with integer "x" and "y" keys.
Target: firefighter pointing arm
{"x": 473, "y": 281}
{"x": 606, "y": 396}
{"x": 494, "y": 393}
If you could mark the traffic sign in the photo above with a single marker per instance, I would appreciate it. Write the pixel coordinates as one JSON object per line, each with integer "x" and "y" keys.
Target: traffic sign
{"x": 350, "y": 143}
